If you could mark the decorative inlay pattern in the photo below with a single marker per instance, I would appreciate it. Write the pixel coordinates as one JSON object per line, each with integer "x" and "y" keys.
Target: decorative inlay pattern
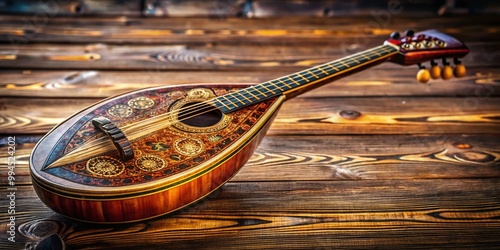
{"x": 141, "y": 102}
{"x": 193, "y": 96}
{"x": 199, "y": 93}
{"x": 120, "y": 110}
{"x": 150, "y": 163}
{"x": 105, "y": 166}
{"x": 188, "y": 146}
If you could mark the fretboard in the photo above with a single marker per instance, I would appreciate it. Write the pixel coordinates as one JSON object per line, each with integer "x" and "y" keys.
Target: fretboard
{"x": 293, "y": 82}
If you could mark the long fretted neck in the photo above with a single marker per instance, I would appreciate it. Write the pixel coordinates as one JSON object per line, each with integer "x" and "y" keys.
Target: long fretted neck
{"x": 306, "y": 79}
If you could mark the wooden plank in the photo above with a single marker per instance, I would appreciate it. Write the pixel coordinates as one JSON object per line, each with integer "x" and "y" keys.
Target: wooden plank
{"x": 357, "y": 31}
{"x": 319, "y": 158}
{"x": 398, "y": 115}
{"x": 480, "y": 81}
{"x": 267, "y": 8}
{"x": 181, "y": 57}
{"x": 391, "y": 214}
{"x": 232, "y": 8}
{"x": 49, "y": 9}
{"x": 344, "y": 25}
{"x": 404, "y": 115}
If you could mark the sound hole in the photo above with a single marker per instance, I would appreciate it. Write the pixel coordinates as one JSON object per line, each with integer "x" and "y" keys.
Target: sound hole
{"x": 197, "y": 114}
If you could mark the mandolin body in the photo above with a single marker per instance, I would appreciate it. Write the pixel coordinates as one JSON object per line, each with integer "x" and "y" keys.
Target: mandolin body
{"x": 172, "y": 167}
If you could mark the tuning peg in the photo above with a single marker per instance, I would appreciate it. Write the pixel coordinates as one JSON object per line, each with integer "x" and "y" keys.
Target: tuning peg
{"x": 459, "y": 70}
{"x": 423, "y": 74}
{"x": 395, "y": 35}
{"x": 447, "y": 71}
{"x": 435, "y": 70}
{"x": 409, "y": 32}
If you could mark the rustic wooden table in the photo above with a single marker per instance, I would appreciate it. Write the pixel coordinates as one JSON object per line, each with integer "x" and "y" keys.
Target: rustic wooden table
{"x": 418, "y": 169}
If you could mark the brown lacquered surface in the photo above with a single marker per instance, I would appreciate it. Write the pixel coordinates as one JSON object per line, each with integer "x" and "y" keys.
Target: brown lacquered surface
{"x": 375, "y": 160}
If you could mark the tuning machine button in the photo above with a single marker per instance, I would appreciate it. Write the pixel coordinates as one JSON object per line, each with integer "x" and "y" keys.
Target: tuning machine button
{"x": 459, "y": 70}
{"x": 423, "y": 74}
{"x": 409, "y": 33}
{"x": 447, "y": 71}
{"x": 395, "y": 35}
{"x": 435, "y": 70}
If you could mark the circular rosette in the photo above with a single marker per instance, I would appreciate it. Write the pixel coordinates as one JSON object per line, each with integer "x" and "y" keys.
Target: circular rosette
{"x": 189, "y": 146}
{"x": 104, "y": 166}
{"x": 141, "y": 102}
{"x": 150, "y": 163}
{"x": 120, "y": 110}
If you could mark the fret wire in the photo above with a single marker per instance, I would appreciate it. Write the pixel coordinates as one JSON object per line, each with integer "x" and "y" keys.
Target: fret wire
{"x": 221, "y": 102}
{"x": 346, "y": 65}
{"x": 307, "y": 80}
{"x": 384, "y": 48}
{"x": 334, "y": 68}
{"x": 370, "y": 51}
{"x": 339, "y": 62}
{"x": 280, "y": 87}
{"x": 352, "y": 58}
{"x": 234, "y": 98}
{"x": 309, "y": 75}
{"x": 293, "y": 80}
{"x": 376, "y": 53}
{"x": 256, "y": 98}
{"x": 310, "y": 72}
{"x": 224, "y": 96}
{"x": 366, "y": 57}
{"x": 286, "y": 84}
{"x": 255, "y": 87}
{"x": 379, "y": 51}
{"x": 323, "y": 70}
{"x": 239, "y": 92}
{"x": 264, "y": 86}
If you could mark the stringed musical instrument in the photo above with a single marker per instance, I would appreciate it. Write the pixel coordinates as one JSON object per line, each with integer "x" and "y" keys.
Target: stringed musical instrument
{"x": 153, "y": 151}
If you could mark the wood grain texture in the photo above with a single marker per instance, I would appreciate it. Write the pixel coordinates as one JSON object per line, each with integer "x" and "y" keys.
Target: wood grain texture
{"x": 396, "y": 115}
{"x": 339, "y": 157}
{"x": 413, "y": 214}
{"x": 71, "y": 7}
{"x": 179, "y": 57}
{"x": 351, "y": 32}
{"x": 417, "y": 169}
{"x": 231, "y": 8}
{"x": 481, "y": 81}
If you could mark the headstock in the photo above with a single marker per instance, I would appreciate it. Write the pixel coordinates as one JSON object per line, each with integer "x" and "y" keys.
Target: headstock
{"x": 430, "y": 45}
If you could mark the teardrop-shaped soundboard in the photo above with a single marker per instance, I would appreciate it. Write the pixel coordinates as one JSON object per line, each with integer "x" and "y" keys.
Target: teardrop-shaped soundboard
{"x": 178, "y": 157}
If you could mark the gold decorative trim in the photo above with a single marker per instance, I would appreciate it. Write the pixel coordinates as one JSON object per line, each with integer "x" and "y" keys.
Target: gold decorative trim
{"x": 120, "y": 110}
{"x": 189, "y": 146}
{"x": 104, "y": 166}
{"x": 141, "y": 102}
{"x": 197, "y": 95}
{"x": 200, "y": 93}
{"x": 150, "y": 163}
{"x": 97, "y": 194}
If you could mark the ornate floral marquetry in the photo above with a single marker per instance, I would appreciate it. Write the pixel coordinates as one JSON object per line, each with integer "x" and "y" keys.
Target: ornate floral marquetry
{"x": 120, "y": 111}
{"x": 165, "y": 152}
{"x": 189, "y": 146}
{"x": 150, "y": 163}
{"x": 104, "y": 166}
{"x": 141, "y": 102}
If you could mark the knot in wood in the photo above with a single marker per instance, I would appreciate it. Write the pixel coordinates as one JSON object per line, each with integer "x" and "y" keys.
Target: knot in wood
{"x": 350, "y": 114}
